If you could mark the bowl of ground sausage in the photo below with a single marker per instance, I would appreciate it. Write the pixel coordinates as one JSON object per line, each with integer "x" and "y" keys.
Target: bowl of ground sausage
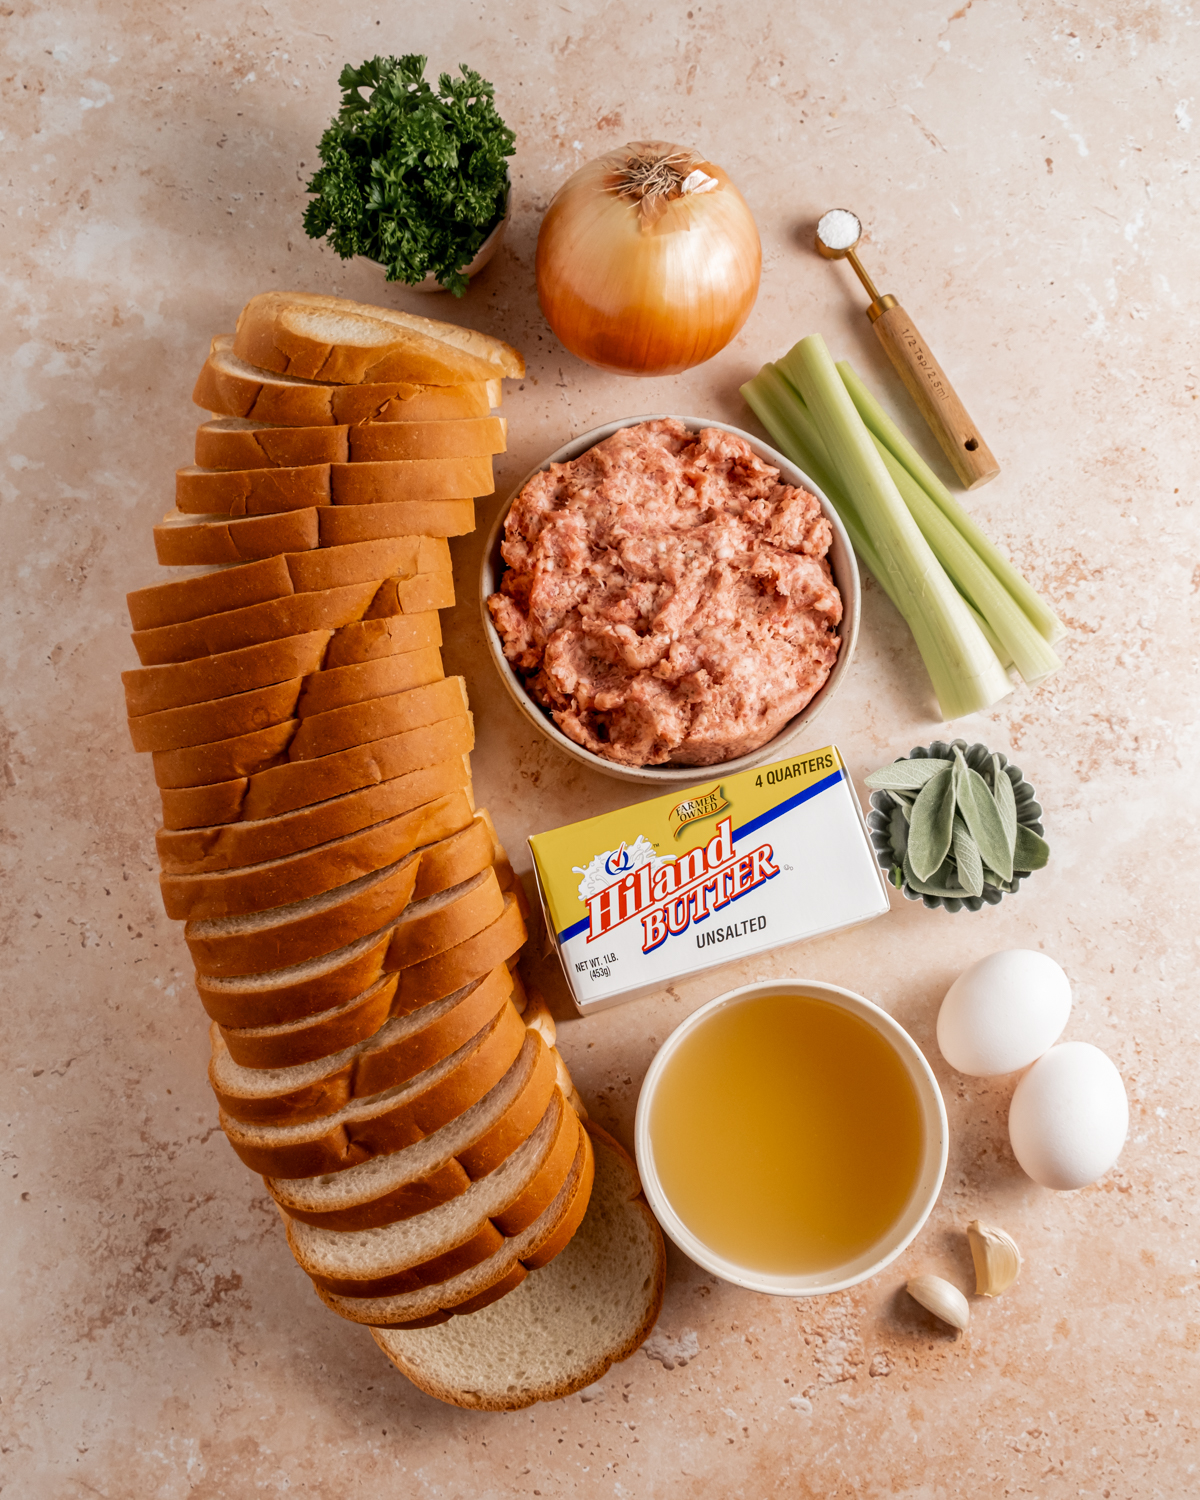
{"x": 668, "y": 597}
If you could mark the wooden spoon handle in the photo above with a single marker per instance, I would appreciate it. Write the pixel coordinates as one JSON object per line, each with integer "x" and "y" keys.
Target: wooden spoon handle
{"x": 935, "y": 396}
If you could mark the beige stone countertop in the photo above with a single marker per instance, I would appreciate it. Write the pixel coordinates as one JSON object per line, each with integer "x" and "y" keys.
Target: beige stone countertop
{"x": 1027, "y": 173}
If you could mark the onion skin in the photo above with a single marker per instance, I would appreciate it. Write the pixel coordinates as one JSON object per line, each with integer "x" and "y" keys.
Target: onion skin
{"x": 653, "y": 300}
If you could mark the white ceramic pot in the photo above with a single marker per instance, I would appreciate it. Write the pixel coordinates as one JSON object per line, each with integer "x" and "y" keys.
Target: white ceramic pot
{"x": 482, "y": 256}
{"x": 932, "y": 1169}
{"x": 845, "y": 574}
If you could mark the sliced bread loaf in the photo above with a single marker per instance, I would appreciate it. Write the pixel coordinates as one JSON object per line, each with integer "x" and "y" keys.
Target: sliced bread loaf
{"x": 231, "y": 387}
{"x": 563, "y": 1328}
{"x": 392, "y": 1120}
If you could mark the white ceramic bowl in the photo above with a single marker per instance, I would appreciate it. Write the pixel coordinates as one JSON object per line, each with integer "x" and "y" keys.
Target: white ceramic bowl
{"x": 845, "y": 574}
{"x": 920, "y": 1202}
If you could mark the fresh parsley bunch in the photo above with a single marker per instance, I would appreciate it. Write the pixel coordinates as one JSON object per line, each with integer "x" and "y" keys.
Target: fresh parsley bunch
{"x": 414, "y": 179}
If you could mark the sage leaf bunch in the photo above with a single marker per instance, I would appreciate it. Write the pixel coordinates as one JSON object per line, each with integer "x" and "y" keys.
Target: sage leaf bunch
{"x": 954, "y": 830}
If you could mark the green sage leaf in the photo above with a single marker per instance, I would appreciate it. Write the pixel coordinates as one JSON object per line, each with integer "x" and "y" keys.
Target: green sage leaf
{"x": 941, "y": 882}
{"x": 905, "y": 775}
{"x": 1006, "y": 802}
{"x": 991, "y": 878}
{"x": 932, "y": 824}
{"x": 1032, "y": 852}
{"x": 982, "y": 817}
{"x": 898, "y": 831}
{"x": 966, "y": 859}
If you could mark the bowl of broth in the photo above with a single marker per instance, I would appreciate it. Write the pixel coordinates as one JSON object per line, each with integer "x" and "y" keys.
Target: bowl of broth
{"x": 791, "y": 1138}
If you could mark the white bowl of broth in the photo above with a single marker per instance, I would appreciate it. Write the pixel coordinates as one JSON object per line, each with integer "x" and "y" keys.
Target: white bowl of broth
{"x": 791, "y": 1138}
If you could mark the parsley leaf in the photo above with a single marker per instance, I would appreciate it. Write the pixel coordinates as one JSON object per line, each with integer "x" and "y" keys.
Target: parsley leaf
{"x": 413, "y": 178}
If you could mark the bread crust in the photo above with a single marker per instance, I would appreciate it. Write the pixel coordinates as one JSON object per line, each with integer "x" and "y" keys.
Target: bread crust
{"x": 335, "y": 687}
{"x": 289, "y": 934}
{"x": 375, "y": 483}
{"x": 383, "y": 442}
{"x": 237, "y": 443}
{"x": 359, "y": 523}
{"x": 208, "y": 542}
{"x": 178, "y": 684}
{"x": 219, "y": 719}
{"x": 309, "y": 1038}
{"x": 232, "y": 846}
{"x": 359, "y": 723}
{"x": 231, "y": 387}
{"x": 375, "y": 1127}
{"x": 496, "y": 943}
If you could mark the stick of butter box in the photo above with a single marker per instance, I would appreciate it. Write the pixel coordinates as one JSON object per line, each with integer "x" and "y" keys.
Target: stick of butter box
{"x": 741, "y": 865}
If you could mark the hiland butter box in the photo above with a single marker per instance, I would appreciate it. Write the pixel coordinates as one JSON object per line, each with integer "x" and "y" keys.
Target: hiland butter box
{"x": 741, "y": 865}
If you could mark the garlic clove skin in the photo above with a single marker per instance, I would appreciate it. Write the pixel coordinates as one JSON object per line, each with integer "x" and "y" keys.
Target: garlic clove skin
{"x": 941, "y": 1299}
{"x": 997, "y": 1259}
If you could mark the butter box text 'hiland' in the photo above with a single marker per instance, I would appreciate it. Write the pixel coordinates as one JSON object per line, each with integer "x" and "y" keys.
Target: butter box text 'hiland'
{"x": 639, "y": 897}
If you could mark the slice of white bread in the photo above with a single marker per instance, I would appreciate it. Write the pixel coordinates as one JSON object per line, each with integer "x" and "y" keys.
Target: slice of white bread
{"x": 423, "y": 1249}
{"x": 235, "y": 629}
{"x": 185, "y": 540}
{"x": 359, "y": 723}
{"x": 215, "y": 590}
{"x": 250, "y": 492}
{"x": 204, "y": 678}
{"x": 400, "y": 1116}
{"x": 362, "y": 523}
{"x": 295, "y": 614}
{"x": 289, "y": 934}
{"x": 357, "y": 682}
{"x": 221, "y": 719}
{"x": 398, "y": 1050}
{"x": 232, "y": 846}
{"x": 177, "y": 685}
{"x": 566, "y": 1325}
{"x": 287, "y": 994}
{"x": 240, "y": 443}
{"x": 492, "y": 1278}
{"x": 451, "y": 916}
{"x": 390, "y": 1185}
{"x": 263, "y": 492}
{"x": 282, "y": 1071}
{"x": 279, "y": 882}
{"x": 377, "y": 442}
{"x": 229, "y": 386}
{"x": 280, "y": 997}
{"x": 273, "y": 939}
{"x": 330, "y": 338}
{"x": 285, "y": 788}
{"x": 409, "y": 479}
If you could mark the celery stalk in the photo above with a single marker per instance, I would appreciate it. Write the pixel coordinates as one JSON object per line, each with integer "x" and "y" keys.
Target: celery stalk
{"x": 1047, "y": 624}
{"x": 964, "y": 670}
{"x": 778, "y": 406}
{"x": 1027, "y": 650}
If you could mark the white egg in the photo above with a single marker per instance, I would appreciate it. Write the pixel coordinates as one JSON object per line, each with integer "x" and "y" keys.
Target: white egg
{"x": 1003, "y": 1012}
{"x": 1069, "y": 1117}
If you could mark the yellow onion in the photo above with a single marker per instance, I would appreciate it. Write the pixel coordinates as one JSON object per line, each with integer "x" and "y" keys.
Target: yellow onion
{"x": 648, "y": 260}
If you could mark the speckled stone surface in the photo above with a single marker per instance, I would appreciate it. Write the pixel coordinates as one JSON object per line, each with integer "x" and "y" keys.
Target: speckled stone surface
{"x": 1028, "y": 177}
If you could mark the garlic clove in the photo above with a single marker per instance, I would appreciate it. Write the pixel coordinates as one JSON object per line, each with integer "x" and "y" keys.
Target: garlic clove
{"x": 941, "y": 1299}
{"x": 997, "y": 1259}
